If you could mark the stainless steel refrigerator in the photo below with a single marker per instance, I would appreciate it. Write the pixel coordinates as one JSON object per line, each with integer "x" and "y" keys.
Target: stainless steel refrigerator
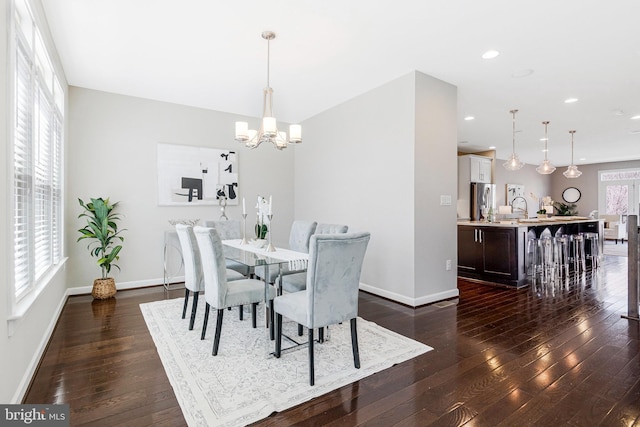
{"x": 483, "y": 201}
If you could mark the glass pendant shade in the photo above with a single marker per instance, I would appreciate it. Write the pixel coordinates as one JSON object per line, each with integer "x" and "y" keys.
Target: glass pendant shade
{"x": 572, "y": 170}
{"x": 513, "y": 163}
{"x": 546, "y": 167}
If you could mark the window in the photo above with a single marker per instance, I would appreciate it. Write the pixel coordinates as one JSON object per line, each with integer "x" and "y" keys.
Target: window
{"x": 37, "y": 129}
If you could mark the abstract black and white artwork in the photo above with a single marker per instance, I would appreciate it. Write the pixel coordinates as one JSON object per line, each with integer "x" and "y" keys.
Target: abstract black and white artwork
{"x": 195, "y": 176}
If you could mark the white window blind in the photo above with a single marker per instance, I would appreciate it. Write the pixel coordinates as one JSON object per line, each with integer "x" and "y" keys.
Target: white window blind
{"x": 37, "y": 157}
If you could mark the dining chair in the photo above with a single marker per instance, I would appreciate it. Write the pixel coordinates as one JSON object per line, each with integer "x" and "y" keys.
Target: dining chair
{"x": 221, "y": 293}
{"x": 230, "y": 229}
{"x": 298, "y": 281}
{"x": 331, "y": 296}
{"x": 193, "y": 281}
{"x": 299, "y": 235}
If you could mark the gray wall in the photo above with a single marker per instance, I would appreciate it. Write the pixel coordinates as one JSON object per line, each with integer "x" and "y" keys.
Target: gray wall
{"x": 534, "y": 183}
{"x": 112, "y": 153}
{"x": 587, "y": 183}
{"x": 358, "y": 167}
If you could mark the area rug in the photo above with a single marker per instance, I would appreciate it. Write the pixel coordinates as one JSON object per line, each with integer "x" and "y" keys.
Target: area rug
{"x": 241, "y": 384}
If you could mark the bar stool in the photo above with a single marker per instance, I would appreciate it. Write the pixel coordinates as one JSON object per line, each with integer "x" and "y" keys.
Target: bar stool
{"x": 562, "y": 246}
{"x": 594, "y": 248}
{"x": 549, "y": 253}
{"x": 576, "y": 243}
{"x": 534, "y": 256}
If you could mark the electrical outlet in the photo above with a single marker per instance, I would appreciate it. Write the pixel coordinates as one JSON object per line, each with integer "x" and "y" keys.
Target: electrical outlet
{"x": 448, "y": 264}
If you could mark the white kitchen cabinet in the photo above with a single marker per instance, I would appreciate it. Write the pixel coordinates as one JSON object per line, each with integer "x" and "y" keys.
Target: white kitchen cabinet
{"x": 471, "y": 168}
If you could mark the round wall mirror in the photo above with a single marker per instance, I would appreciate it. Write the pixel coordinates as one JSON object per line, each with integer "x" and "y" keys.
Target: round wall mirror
{"x": 571, "y": 195}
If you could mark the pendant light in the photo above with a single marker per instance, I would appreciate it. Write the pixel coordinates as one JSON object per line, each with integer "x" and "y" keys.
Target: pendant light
{"x": 572, "y": 170}
{"x": 268, "y": 131}
{"x": 545, "y": 167}
{"x": 514, "y": 163}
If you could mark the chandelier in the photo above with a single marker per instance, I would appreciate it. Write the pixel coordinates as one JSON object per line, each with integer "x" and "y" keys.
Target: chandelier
{"x": 572, "y": 170}
{"x": 514, "y": 163}
{"x": 545, "y": 167}
{"x": 268, "y": 130}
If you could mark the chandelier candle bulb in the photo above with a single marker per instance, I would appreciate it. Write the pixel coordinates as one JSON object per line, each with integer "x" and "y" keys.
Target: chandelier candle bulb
{"x": 242, "y": 131}
{"x": 295, "y": 133}
{"x": 269, "y": 126}
{"x": 244, "y": 210}
{"x": 270, "y": 205}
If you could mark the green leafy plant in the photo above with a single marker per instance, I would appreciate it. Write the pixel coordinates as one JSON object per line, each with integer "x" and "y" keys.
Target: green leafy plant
{"x": 564, "y": 209}
{"x": 102, "y": 228}
{"x": 261, "y": 231}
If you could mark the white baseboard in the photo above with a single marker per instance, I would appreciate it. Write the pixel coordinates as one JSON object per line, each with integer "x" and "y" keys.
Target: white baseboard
{"x": 413, "y": 302}
{"x": 121, "y": 286}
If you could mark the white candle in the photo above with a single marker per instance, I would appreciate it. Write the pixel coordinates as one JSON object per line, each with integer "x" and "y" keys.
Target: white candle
{"x": 270, "y": 204}
{"x": 244, "y": 210}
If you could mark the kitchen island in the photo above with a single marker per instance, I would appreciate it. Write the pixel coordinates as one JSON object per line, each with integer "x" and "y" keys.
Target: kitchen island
{"x": 496, "y": 252}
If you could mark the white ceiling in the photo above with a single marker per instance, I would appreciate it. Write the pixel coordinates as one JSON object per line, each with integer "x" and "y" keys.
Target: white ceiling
{"x": 209, "y": 54}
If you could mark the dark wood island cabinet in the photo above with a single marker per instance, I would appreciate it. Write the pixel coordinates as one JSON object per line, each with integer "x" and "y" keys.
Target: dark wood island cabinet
{"x": 495, "y": 252}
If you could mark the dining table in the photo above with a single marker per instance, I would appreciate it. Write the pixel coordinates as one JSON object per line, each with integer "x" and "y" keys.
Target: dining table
{"x": 253, "y": 255}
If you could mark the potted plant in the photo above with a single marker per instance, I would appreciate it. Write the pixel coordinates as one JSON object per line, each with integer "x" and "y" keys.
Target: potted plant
{"x": 102, "y": 230}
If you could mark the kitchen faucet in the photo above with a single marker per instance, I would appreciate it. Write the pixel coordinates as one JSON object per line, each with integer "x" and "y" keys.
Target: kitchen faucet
{"x": 526, "y": 206}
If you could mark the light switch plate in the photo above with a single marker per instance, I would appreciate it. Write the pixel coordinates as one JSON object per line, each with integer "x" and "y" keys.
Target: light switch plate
{"x": 445, "y": 200}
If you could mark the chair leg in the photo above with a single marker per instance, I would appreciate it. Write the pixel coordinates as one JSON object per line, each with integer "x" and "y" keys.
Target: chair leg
{"x": 186, "y": 302}
{"x": 216, "y": 340}
{"x": 278, "y": 335}
{"x": 240, "y": 313}
{"x": 320, "y": 335}
{"x": 354, "y": 344}
{"x": 206, "y": 320}
{"x": 312, "y": 376}
{"x": 271, "y": 317}
{"x": 254, "y": 309}
{"x": 194, "y": 308}
{"x": 299, "y": 330}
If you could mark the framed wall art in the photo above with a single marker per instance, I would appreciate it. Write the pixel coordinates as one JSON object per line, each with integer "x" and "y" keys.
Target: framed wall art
{"x": 195, "y": 176}
{"x": 514, "y": 192}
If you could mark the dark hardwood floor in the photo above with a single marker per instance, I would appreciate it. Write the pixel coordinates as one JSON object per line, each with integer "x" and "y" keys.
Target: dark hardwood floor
{"x": 501, "y": 357}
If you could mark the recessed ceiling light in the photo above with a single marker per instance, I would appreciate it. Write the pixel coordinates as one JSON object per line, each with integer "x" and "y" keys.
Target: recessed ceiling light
{"x": 570, "y": 100}
{"x": 492, "y": 147}
{"x": 522, "y": 73}
{"x": 490, "y": 54}
{"x": 543, "y": 139}
{"x": 469, "y": 118}
{"x": 582, "y": 159}
{"x": 637, "y": 117}
{"x": 617, "y": 112}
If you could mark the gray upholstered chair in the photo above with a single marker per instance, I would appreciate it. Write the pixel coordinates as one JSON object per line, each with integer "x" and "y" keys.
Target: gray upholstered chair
{"x": 193, "y": 281}
{"x": 221, "y": 293}
{"x": 301, "y": 232}
{"x": 331, "y": 297}
{"x": 298, "y": 281}
{"x": 230, "y": 229}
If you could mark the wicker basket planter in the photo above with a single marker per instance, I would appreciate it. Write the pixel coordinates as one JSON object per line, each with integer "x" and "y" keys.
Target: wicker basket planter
{"x": 104, "y": 288}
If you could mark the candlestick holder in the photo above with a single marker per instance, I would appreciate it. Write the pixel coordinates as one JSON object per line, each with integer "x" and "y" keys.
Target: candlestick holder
{"x": 244, "y": 229}
{"x": 270, "y": 247}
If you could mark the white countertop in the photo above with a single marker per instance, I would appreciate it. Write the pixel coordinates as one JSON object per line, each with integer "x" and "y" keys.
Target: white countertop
{"x": 531, "y": 222}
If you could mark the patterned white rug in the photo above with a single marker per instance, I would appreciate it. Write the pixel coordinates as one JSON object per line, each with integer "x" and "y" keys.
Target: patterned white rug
{"x": 241, "y": 384}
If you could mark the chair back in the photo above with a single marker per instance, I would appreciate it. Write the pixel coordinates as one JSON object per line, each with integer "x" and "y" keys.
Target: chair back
{"x": 230, "y": 229}
{"x": 301, "y": 232}
{"x": 333, "y": 277}
{"x": 331, "y": 228}
{"x": 191, "y": 257}
{"x": 214, "y": 269}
